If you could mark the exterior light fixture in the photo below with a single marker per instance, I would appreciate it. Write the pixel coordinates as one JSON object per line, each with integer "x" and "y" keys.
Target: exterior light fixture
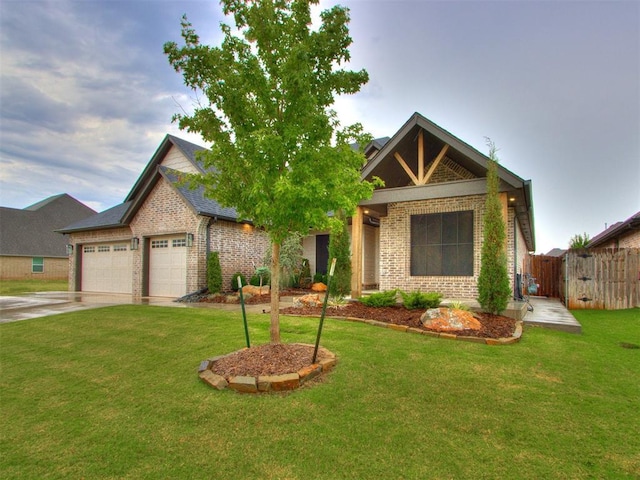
{"x": 189, "y": 239}
{"x": 135, "y": 243}
{"x": 69, "y": 249}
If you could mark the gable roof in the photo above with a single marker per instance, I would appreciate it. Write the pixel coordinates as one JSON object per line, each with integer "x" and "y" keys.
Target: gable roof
{"x": 615, "y": 230}
{"x": 122, "y": 214}
{"x": 399, "y": 188}
{"x": 32, "y": 231}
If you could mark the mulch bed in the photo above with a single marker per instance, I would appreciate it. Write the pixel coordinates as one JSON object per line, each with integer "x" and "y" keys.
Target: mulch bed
{"x": 493, "y": 326}
{"x": 270, "y": 359}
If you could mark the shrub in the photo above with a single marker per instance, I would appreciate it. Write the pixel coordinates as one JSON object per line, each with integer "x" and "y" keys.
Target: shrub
{"x": 380, "y": 299}
{"x": 234, "y": 281}
{"x": 261, "y": 277}
{"x": 214, "y": 273}
{"x": 417, "y": 299}
{"x": 320, "y": 278}
{"x": 305, "y": 274}
{"x": 340, "y": 249}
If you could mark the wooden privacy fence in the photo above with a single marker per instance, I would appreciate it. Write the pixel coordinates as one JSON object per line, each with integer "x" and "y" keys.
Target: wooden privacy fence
{"x": 547, "y": 272}
{"x": 606, "y": 279}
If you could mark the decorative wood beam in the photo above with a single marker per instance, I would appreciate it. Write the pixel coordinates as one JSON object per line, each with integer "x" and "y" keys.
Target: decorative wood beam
{"x": 435, "y": 164}
{"x": 406, "y": 168}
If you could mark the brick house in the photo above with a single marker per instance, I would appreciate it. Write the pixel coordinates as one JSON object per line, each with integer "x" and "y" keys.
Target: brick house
{"x": 422, "y": 230}
{"x": 619, "y": 235}
{"x": 29, "y": 246}
{"x": 155, "y": 243}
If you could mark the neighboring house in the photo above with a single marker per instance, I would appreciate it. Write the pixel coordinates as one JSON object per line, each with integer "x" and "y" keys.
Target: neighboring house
{"x": 156, "y": 242}
{"x": 29, "y": 245}
{"x": 422, "y": 230}
{"x": 619, "y": 235}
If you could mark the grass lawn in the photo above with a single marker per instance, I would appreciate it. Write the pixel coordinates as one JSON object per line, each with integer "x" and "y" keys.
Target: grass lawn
{"x": 113, "y": 393}
{"x": 16, "y": 287}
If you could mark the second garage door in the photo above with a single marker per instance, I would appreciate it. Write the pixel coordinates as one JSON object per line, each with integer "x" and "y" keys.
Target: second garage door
{"x": 168, "y": 267}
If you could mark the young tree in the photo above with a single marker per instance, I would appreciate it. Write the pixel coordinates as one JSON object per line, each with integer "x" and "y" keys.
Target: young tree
{"x": 278, "y": 155}
{"x": 214, "y": 273}
{"x": 493, "y": 283}
{"x": 340, "y": 249}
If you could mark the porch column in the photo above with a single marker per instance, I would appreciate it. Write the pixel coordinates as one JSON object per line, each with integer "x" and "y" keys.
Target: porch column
{"x": 356, "y": 253}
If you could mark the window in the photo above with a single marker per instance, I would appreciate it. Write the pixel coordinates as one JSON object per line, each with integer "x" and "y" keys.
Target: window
{"x": 159, "y": 243}
{"x": 442, "y": 244}
{"x": 37, "y": 265}
{"x": 104, "y": 248}
{"x": 179, "y": 242}
{"x": 89, "y": 249}
{"x": 120, "y": 248}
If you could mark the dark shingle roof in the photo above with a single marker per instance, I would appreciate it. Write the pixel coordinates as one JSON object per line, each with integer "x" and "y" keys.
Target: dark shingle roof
{"x": 110, "y": 218}
{"x": 33, "y": 231}
{"x": 195, "y": 197}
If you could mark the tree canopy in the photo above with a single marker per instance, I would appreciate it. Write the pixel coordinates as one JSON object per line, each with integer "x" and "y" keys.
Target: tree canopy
{"x": 279, "y": 154}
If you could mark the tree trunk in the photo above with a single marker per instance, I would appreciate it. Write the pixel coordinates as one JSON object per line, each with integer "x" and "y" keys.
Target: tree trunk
{"x": 275, "y": 293}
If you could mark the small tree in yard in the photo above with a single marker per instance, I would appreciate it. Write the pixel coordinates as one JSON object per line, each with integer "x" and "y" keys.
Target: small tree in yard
{"x": 278, "y": 155}
{"x": 340, "y": 249}
{"x": 493, "y": 283}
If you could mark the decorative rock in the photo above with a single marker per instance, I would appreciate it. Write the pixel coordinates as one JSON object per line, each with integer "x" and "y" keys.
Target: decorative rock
{"x": 449, "y": 320}
{"x": 309, "y": 372}
{"x": 243, "y": 384}
{"x": 216, "y": 381}
{"x": 310, "y": 300}
{"x": 319, "y": 287}
{"x": 281, "y": 383}
{"x": 253, "y": 290}
{"x": 204, "y": 365}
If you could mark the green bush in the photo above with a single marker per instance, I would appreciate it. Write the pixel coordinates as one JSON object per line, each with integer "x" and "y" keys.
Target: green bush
{"x": 417, "y": 299}
{"x": 320, "y": 278}
{"x": 214, "y": 273}
{"x": 234, "y": 281}
{"x": 380, "y": 299}
{"x": 340, "y": 249}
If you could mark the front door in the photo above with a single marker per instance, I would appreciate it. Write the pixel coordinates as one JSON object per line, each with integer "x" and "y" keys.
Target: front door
{"x": 322, "y": 253}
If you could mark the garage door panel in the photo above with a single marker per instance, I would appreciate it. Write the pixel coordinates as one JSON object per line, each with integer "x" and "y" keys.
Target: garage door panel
{"x": 168, "y": 267}
{"x": 107, "y": 268}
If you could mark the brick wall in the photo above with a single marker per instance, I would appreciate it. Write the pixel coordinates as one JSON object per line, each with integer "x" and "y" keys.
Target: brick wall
{"x": 242, "y": 248}
{"x": 19, "y": 268}
{"x": 395, "y": 248}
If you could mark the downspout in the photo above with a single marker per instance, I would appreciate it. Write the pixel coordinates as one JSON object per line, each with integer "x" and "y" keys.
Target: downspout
{"x": 212, "y": 220}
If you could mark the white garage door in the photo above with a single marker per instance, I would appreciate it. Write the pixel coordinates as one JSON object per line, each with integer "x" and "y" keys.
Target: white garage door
{"x": 107, "y": 267}
{"x": 168, "y": 267}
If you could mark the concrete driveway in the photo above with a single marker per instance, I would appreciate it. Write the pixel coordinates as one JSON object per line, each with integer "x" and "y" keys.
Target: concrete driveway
{"x": 42, "y": 304}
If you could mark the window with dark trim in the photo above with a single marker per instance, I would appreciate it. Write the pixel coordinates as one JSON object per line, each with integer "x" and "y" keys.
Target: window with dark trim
{"x": 37, "y": 265}
{"x": 442, "y": 244}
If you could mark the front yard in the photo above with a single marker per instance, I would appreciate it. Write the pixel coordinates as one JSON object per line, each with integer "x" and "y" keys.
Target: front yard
{"x": 113, "y": 393}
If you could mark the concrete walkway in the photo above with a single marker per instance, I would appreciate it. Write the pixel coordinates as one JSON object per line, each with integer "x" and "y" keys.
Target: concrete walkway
{"x": 551, "y": 313}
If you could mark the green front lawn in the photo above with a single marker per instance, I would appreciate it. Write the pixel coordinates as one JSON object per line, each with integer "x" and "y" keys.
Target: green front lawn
{"x": 17, "y": 287}
{"x": 113, "y": 393}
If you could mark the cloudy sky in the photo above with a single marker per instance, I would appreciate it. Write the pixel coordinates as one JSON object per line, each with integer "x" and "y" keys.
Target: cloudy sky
{"x": 86, "y": 94}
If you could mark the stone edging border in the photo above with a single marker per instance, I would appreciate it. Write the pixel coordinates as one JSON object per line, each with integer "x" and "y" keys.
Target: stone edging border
{"x": 268, "y": 383}
{"x": 517, "y": 334}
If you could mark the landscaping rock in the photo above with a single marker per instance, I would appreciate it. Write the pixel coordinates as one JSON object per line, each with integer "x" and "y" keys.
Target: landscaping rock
{"x": 449, "y": 320}
{"x": 310, "y": 300}
{"x": 319, "y": 287}
{"x": 253, "y": 290}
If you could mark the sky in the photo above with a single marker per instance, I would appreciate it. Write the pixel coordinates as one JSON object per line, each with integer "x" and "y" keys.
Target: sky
{"x": 87, "y": 95}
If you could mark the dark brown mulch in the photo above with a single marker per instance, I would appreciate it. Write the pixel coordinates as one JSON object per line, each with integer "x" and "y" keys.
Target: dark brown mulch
{"x": 493, "y": 326}
{"x": 270, "y": 359}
